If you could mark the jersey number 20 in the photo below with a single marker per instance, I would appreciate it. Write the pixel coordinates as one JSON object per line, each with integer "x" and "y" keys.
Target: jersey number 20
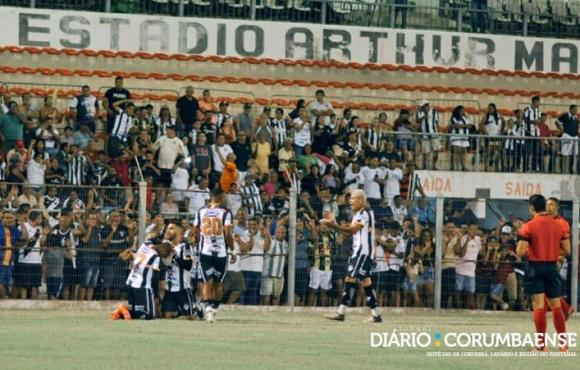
{"x": 212, "y": 226}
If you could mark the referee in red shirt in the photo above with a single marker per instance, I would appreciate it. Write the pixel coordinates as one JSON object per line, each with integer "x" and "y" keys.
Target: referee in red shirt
{"x": 543, "y": 240}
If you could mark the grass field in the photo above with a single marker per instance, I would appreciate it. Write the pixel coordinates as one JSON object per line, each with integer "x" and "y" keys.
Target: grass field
{"x": 247, "y": 338}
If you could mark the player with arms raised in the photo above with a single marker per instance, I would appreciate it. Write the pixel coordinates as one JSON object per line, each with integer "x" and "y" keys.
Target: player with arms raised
{"x": 543, "y": 240}
{"x": 362, "y": 228}
{"x": 213, "y": 231}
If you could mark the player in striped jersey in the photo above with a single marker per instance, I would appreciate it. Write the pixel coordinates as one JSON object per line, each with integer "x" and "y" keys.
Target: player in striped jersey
{"x": 178, "y": 297}
{"x": 139, "y": 283}
{"x": 213, "y": 231}
{"x": 362, "y": 229}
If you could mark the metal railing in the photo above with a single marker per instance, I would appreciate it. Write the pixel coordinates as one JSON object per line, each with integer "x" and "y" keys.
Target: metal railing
{"x": 547, "y": 18}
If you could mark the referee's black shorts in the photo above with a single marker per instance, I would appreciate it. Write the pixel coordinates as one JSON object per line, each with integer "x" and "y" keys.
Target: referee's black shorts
{"x": 543, "y": 277}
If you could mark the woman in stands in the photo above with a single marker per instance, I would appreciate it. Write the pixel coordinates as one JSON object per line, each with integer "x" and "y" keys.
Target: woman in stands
{"x": 163, "y": 121}
{"x": 461, "y": 126}
{"x": 491, "y": 124}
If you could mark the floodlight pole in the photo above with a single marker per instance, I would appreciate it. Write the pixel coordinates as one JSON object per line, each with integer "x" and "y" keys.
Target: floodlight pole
{"x": 292, "y": 214}
{"x": 438, "y": 252}
{"x": 575, "y": 239}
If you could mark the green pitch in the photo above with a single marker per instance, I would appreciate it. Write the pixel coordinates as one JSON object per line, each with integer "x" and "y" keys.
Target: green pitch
{"x": 247, "y": 339}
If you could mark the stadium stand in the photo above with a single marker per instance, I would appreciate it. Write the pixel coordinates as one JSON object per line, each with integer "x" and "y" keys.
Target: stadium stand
{"x": 374, "y": 120}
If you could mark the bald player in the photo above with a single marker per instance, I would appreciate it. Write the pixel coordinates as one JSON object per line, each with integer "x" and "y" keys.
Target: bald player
{"x": 543, "y": 240}
{"x": 362, "y": 229}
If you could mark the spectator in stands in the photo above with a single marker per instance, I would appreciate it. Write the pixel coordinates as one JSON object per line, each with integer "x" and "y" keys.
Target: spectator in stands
{"x": 479, "y": 16}
{"x": 302, "y": 132}
{"x": 179, "y": 180}
{"x": 85, "y": 108}
{"x": 58, "y": 247}
{"x": 206, "y": 104}
{"x": 468, "y": 249}
{"x": 229, "y": 175}
{"x": 321, "y": 267}
{"x": 187, "y": 110}
{"x": 169, "y": 208}
{"x": 425, "y": 251}
{"x": 272, "y": 282}
{"x": 401, "y": 8}
{"x": 89, "y": 257}
{"x": 112, "y": 96}
{"x": 428, "y": 121}
{"x": 374, "y": 179}
{"x": 28, "y": 196}
{"x": 424, "y": 212}
{"x": 451, "y": 237}
{"x": 197, "y": 196}
{"x": 319, "y": 109}
{"x": 220, "y": 151}
{"x": 84, "y": 136}
{"x": 393, "y": 177}
{"x": 492, "y": 124}
{"x": 11, "y": 127}
{"x": 163, "y": 121}
{"x": 170, "y": 147}
{"x": 115, "y": 238}
{"x": 461, "y": 126}
{"x": 261, "y": 151}
{"x": 252, "y": 262}
{"x": 263, "y": 128}
{"x": 251, "y": 196}
{"x": 568, "y": 125}
{"x": 547, "y": 151}
{"x": 244, "y": 122}
{"x": 29, "y": 268}
{"x": 11, "y": 238}
{"x": 49, "y": 135}
{"x": 35, "y": 170}
{"x": 306, "y": 233}
{"x": 234, "y": 284}
{"x": 201, "y": 157}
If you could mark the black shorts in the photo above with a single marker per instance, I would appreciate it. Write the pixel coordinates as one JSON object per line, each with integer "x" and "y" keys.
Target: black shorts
{"x": 393, "y": 281}
{"x": 164, "y": 178}
{"x": 447, "y": 281}
{"x": 54, "y": 287}
{"x": 180, "y": 302}
{"x": 141, "y": 303}
{"x": 543, "y": 277}
{"x": 71, "y": 275}
{"x": 29, "y": 275}
{"x": 359, "y": 267}
{"x": 213, "y": 267}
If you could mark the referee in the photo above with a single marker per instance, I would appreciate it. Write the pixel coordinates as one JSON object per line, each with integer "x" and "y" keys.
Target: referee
{"x": 542, "y": 239}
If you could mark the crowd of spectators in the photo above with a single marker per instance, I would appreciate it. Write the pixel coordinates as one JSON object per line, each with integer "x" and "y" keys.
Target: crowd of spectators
{"x": 69, "y": 204}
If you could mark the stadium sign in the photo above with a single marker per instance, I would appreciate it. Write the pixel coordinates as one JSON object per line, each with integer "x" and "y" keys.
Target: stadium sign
{"x": 280, "y": 40}
{"x": 501, "y": 185}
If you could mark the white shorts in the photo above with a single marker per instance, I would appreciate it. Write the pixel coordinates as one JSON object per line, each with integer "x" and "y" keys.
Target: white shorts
{"x": 569, "y": 147}
{"x": 430, "y": 145}
{"x": 271, "y": 286}
{"x": 320, "y": 279}
{"x": 460, "y": 142}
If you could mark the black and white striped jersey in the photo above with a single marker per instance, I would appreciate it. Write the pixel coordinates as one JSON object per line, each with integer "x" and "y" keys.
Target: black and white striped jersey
{"x": 429, "y": 121}
{"x": 122, "y": 126}
{"x": 280, "y": 128}
{"x": 178, "y": 275}
{"x": 364, "y": 240}
{"x": 77, "y": 170}
{"x": 145, "y": 262}
{"x": 251, "y": 199}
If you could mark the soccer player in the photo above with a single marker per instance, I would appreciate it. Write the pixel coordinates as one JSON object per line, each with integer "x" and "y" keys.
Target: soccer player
{"x": 178, "y": 296}
{"x": 543, "y": 240}
{"x": 213, "y": 231}
{"x": 553, "y": 206}
{"x": 362, "y": 228}
{"x": 139, "y": 283}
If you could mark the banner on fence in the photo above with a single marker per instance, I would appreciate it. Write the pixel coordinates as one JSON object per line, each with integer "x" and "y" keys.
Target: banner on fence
{"x": 282, "y": 40}
{"x": 500, "y": 185}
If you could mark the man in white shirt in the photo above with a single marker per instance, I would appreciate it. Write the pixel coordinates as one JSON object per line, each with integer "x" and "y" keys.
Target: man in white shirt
{"x": 179, "y": 180}
{"x": 170, "y": 147}
{"x": 353, "y": 177}
{"x": 30, "y": 257}
{"x": 467, "y": 249}
{"x": 374, "y": 179}
{"x": 320, "y": 109}
{"x": 302, "y": 132}
{"x": 394, "y": 176}
{"x": 253, "y": 263}
{"x": 219, "y": 154}
{"x": 399, "y": 209}
{"x": 198, "y": 196}
{"x": 391, "y": 246}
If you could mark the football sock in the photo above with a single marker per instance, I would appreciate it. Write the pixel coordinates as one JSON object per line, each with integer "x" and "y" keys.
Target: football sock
{"x": 559, "y": 320}
{"x": 541, "y": 325}
{"x": 348, "y": 294}
{"x": 371, "y": 297}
